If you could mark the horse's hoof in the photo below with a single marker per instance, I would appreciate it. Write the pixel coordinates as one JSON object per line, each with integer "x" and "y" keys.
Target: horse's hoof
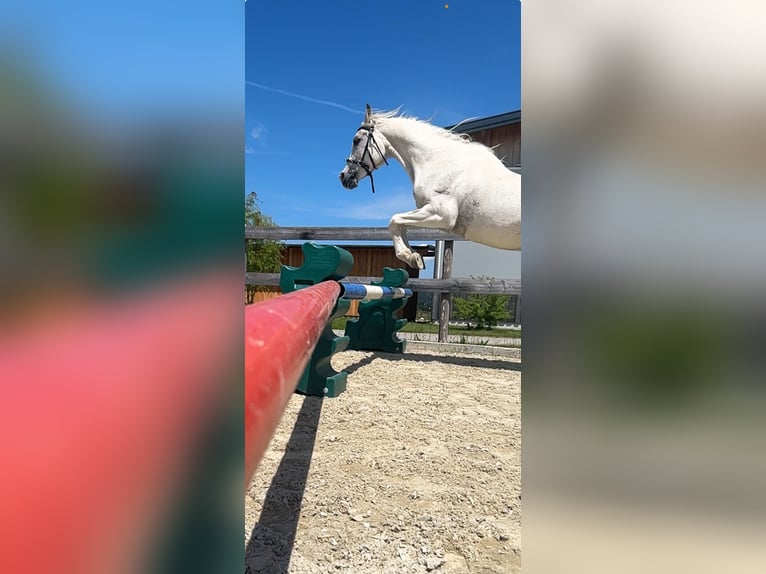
{"x": 417, "y": 261}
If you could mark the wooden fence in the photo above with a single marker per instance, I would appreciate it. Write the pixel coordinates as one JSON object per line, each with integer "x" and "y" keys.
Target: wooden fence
{"x": 344, "y": 234}
{"x": 444, "y": 285}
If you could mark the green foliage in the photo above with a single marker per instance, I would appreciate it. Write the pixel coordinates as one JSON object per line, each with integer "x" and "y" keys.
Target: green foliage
{"x": 263, "y": 255}
{"x": 484, "y": 311}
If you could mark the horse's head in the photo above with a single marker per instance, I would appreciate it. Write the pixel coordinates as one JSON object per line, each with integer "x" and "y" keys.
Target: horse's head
{"x": 366, "y": 154}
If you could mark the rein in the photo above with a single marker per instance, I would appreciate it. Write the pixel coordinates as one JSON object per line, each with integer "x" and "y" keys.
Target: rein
{"x": 360, "y": 162}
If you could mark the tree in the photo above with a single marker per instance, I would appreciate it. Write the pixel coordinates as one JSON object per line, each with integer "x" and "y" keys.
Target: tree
{"x": 263, "y": 255}
{"x": 485, "y": 311}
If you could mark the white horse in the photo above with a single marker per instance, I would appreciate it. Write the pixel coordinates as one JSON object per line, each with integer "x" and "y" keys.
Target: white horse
{"x": 458, "y": 185}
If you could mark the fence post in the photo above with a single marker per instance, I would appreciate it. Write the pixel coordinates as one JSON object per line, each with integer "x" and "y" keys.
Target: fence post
{"x": 438, "y": 266}
{"x": 445, "y": 299}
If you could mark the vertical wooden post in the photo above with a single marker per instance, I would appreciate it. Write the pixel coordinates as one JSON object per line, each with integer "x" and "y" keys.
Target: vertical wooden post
{"x": 438, "y": 266}
{"x": 445, "y": 302}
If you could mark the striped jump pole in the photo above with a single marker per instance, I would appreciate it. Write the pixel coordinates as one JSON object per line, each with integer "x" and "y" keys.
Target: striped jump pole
{"x": 280, "y": 336}
{"x": 372, "y": 292}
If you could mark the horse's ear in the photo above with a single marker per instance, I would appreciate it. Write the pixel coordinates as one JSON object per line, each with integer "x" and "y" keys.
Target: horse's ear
{"x": 368, "y": 114}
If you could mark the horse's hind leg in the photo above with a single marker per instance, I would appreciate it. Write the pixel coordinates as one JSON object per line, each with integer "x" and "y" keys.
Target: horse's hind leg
{"x": 426, "y": 216}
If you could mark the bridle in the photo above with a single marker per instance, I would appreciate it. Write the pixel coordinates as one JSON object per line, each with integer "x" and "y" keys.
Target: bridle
{"x": 360, "y": 162}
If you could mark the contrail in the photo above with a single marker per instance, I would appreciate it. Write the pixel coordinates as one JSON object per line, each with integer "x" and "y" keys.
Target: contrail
{"x": 302, "y": 97}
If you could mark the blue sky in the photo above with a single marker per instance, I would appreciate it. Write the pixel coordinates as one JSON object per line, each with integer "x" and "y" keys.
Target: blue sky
{"x": 128, "y": 61}
{"x": 446, "y": 64}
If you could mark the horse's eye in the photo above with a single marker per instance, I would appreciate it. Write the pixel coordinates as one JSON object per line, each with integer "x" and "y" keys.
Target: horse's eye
{"x": 357, "y": 140}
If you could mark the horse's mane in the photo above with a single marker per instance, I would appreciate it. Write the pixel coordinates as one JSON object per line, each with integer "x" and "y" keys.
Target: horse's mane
{"x": 458, "y": 137}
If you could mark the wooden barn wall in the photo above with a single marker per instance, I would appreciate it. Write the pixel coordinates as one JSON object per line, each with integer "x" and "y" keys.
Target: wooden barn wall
{"x": 508, "y": 140}
{"x": 368, "y": 261}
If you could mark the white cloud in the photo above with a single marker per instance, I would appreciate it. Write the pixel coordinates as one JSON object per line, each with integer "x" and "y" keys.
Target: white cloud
{"x": 258, "y": 131}
{"x": 249, "y": 150}
{"x": 302, "y": 97}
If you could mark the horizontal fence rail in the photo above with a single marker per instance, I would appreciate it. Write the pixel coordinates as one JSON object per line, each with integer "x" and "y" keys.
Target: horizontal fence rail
{"x": 345, "y": 234}
{"x": 455, "y": 285}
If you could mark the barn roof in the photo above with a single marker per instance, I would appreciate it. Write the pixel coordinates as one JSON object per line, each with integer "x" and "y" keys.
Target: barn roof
{"x": 486, "y": 123}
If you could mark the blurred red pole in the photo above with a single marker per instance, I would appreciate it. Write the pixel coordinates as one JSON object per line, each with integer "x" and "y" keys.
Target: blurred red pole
{"x": 280, "y": 335}
{"x": 102, "y": 410}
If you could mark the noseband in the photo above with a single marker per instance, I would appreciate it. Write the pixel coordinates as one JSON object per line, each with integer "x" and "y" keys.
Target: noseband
{"x": 360, "y": 162}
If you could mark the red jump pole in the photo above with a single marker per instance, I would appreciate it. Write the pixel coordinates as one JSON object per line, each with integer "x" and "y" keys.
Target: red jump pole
{"x": 280, "y": 335}
{"x": 103, "y": 405}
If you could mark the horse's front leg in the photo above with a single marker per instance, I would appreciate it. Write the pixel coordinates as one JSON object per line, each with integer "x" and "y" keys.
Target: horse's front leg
{"x": 402, "y": 246}
{"x": 426, "y": 216}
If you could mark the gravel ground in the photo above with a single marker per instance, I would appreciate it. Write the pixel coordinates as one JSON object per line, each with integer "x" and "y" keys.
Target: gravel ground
{"x": 415, "y": 468}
